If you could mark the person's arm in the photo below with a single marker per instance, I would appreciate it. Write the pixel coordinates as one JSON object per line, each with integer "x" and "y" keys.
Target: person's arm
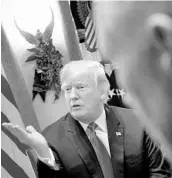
{"x": 158, "y": 165}
{"x": 37, "y": 142}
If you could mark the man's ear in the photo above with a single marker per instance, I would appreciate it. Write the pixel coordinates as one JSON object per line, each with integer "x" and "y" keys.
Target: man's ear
{"x": 160, "y": 25}
{"x": 160, "y": 28}
{"x": 103, "y": 96}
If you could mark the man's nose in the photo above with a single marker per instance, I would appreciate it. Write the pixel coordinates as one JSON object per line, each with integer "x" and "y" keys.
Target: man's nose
{"x": 73, "y": 94}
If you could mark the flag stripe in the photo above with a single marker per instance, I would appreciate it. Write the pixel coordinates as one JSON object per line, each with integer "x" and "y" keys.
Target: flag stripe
{"x": 11, "y": 112}
{"x": 90, "y": 34}
{"x": 87, "y": 31}
{"x": 95, "y": 46}
{"x": 86, "y": 21}
{"x": 21, "y": 147}
{"x": 4, "y": 173}
{"x": 11, "y": 167}
{"x": 93, "y": 42}
{"x": 6, "y": 90}
{"x": 16, "y": 155}
{"x": 90, "y": 38}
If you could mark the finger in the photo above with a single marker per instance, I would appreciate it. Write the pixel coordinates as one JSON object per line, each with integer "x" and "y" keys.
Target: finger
{"x": 16, "y": 130}
{"x": 5, "y": 124}
{"x": 30, "y": 129}
{"x": 20, "y": 133}
{"x": 10, "y": 128}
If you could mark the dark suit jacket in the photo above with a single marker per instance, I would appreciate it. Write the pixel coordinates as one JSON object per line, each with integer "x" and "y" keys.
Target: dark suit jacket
{"x": 133, "y": 153}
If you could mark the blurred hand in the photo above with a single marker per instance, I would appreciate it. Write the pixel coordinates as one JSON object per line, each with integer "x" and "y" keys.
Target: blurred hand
{"x": 30, "y": 137}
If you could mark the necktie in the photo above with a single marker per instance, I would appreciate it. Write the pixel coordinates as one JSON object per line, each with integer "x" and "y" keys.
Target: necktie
{"x": 101, "y": 152}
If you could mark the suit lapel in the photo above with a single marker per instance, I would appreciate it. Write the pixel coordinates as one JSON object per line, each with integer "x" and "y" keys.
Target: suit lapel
{"x": 116, "y": 142}
{"x": 81, "y": 143}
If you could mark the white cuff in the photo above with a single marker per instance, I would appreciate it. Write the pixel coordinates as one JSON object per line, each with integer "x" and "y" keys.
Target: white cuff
{"x": 49, "y": 161}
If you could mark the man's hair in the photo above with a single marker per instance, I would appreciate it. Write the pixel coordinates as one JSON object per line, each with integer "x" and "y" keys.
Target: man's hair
{"x": 94, "y": 70}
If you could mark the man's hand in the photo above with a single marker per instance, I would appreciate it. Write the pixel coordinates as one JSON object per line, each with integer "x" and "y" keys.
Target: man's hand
{"x": 30, "y": 137}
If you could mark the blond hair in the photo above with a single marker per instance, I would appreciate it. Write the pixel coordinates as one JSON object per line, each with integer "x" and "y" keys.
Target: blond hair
{"x": 93, "y": 68}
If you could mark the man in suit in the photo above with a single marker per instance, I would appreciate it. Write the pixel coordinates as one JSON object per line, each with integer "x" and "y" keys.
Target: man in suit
{"x": 138, "y": 36}
{"x": 93, "y": 139}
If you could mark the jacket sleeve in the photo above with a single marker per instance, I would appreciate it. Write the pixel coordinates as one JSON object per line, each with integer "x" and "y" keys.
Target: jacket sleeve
{"x": 158, "y": 165}
{"x": 46, "y": 171}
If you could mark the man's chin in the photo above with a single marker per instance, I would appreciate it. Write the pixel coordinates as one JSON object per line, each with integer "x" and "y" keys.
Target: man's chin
{"x": 78, "y": 115}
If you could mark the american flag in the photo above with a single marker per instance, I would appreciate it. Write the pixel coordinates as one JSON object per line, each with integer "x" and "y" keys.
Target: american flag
{"x": 90, "y": 37}
{"x": 14, "y": 160}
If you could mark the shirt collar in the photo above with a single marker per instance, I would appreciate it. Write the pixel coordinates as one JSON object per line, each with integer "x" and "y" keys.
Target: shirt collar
{"x": 100, "y": 121}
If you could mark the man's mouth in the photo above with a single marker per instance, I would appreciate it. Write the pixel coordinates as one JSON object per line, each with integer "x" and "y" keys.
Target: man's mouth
{"x": 75, "y": 106}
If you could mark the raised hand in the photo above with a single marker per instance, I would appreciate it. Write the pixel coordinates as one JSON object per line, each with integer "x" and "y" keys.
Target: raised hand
{"x": 30, "y": 137}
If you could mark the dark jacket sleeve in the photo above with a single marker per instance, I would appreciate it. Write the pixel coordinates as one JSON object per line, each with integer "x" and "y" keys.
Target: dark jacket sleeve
{"x": 158, "y": 165}
{"x": 45, "y": 171}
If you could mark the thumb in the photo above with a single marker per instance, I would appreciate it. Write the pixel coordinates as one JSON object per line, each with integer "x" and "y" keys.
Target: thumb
{"x": 30, "y": 129}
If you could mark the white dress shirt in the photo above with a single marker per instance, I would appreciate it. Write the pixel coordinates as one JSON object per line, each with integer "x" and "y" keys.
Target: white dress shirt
{"x": 101, "y": 133}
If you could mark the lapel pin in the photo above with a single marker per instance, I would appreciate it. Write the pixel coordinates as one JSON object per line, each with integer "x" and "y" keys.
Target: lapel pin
{"x": 118, "y": 133}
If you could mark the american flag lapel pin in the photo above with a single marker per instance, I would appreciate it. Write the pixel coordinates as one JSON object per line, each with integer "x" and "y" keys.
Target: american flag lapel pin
{"x": 118, "y": 134}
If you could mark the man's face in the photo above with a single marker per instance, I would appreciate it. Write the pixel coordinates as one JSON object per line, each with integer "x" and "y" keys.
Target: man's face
{"x": 82, "y": 96}
{"x": 124, "y": 39}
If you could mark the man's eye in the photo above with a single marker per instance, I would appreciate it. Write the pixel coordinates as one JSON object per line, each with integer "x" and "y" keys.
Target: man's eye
{"x": 80, "y": 87}
{"x": 67, "y": 89}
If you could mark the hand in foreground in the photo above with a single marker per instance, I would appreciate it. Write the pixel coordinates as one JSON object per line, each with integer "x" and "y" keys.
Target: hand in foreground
{"x": 30, "y": 137}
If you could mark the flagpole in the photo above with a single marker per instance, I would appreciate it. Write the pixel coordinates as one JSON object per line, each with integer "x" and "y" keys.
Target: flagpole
{"x": 71, "y": 38}
{"x": 17, "y": 84}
